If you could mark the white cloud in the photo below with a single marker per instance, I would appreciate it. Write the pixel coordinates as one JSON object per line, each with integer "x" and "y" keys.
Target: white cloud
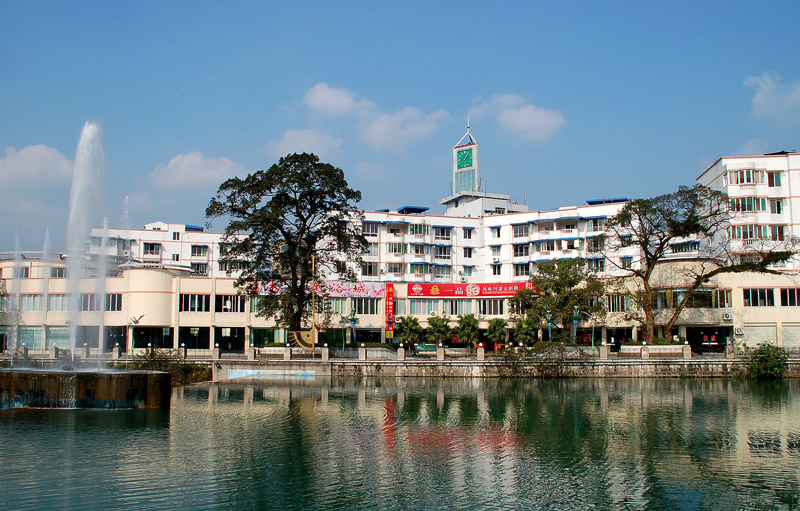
{"x": 315, "y": 141}
{"x": 335, "y": 101}
{"x": 396, "y": 130}
{"x": 370, "y": 171}
{"x": 193, "y": 170}
{"x": 754, "y": 146}
{"x": 525, "y": 122}
{"x": 34, "y": 164}
{"x": 774, "y": 99}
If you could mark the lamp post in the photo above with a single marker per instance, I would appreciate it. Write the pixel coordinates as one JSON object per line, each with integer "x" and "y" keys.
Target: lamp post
{"x": 575, "y": 317}
{"x": 353, "y": 320}
{"x": 313, "y": 305}
{"x": 549, "y": 327}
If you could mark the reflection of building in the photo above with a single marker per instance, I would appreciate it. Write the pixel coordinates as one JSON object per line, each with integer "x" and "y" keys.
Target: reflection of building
{"x": 168, "y": 285}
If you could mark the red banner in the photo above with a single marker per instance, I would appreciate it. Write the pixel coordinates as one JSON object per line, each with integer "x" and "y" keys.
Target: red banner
{"x": 467, "y": 290}
{"x": 390, "y": 307}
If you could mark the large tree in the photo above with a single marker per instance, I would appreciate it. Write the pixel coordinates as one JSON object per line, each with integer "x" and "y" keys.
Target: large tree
{"x": 649, "y": 229}
{"x": 278, "y": 220}
{"x": 559, "y": 288}
{"x": 408, "y": 330}
{"x": 468, "y": 330}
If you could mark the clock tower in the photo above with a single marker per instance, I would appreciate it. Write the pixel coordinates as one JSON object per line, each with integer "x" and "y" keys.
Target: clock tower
{"x": 465, "y": 164}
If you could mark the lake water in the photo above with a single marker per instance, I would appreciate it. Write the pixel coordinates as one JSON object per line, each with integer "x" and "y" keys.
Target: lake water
{"x": 417, "y": 444}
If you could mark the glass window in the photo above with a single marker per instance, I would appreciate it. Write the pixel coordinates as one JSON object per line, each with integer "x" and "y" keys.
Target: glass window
{"x": 522, "y": 250}
{"x": 758, "y": 297}
{"x": 790, "y": 297}
{"x": 366, "y": 306}
{"x": 520, "y": 231}
{"x": 195, "y": 303}
{"x": 113, "y": 302}
{"x": 370, "y": 229}
{"x": 30, "y": 303}
{"x": 491, "y": 307}
{"x": 199, "y": 250}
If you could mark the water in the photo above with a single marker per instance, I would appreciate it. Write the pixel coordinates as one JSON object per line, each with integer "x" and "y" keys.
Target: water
{"x": 418, "y": 444}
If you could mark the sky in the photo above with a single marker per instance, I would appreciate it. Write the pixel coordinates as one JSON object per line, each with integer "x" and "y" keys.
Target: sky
{"x": 569, "y": 101}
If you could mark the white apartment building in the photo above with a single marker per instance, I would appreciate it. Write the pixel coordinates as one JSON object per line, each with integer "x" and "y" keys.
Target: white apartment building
{"x": 168, "y": 287}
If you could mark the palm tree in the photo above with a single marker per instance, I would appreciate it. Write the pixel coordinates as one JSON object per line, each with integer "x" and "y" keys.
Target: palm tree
{"x": 408, "y": 330}
{"x": 526, "y": 330}
{"x": 467, "y": 330}
{"x": 438, "y": 330}
{"x": 497, "y": 331}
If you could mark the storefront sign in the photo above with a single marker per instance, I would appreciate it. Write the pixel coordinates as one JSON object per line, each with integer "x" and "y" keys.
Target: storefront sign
{"x": 335, "y": 289}
{"x": 466, "y": 290}
{"x": 390, "y": 308}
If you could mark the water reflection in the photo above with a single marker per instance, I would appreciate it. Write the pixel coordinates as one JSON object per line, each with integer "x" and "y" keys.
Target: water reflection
{"x": 406, "y": 443}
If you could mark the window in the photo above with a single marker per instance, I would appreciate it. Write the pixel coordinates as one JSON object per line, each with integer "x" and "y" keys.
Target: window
{"x": 546, "y": 246}
{"x": 366, "y": 306}
{"x": 774, "y": 178}
{"x": 176, "y": 257}
{"x": 229, "y": 303}
{"x": 442, "y": 271}
{"x": 371, "y": 249}
{"x": 395, "y": 268}
{"x": 617, "y": 303}
{"x": 749, "y": 204}
{"x": 176, "y": 236}
{"x": 336, "y": 306}
{"x": 30, "y": 303}
{"x": 520, "y": 231}
{"x": 724, "y": 299}
{"x": 199, "y": 250}
{"x": 89, "y": 302}
{"x": 744, "y": 176}
{"x": 522, "y": 270}
{"x": 230, "y": 266}
{"x": 420, "y": 229}
{"x": 776, "y": 206}
{"x": 748, "y": 232}
{"x": 596, "y": 224}
{"x": 596, "y": 264}
{"x": 759, "y": 297}
{"x": 468, "y": 233}
{"x": 21, "y": 273}
{"x": 199, "y": 269}
{"x": 569, "y": 227}
{"x": 594, "y": 244}
{"x": 660, "y": 300}
{"x": 491, "y": 307}
{"x": 441, "y": 252}
{"x": 370, "y": 229}
{"x": 688, "y": 246}
{"x": 421, "y": 250}
{"x": 195, "y": 303}
{"x": 58, "y": 273}
{"x": 495, "y": 232}
{"x": 497, "y": 269}
{"x": 113, "y": 302}
{"x": 496, "y": 251}
{"x": 58, "y": 303}
{"x": 369, "y": 269}
{"x": 790, "y": 297}
{"x": 423, "y": 307}
{"x": 418, "y": 268}
{"x": 468, "y": 271}
{"x": 777, "y": 232}
{"x": 700, "y": 299}
{"x": 468, "y": 252}
{"x": 458, "y": 307}
{"x": 399, "y": 308}
{"x": 441, "y": 233}
{"x": 396, "y": 248}
{"x": 626, "y": 263}
{"x": 522, "y": 250}
{"x": 151, "y": 249}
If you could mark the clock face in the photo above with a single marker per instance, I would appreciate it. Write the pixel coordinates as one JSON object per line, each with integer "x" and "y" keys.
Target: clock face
{"x": 464, "y": 158}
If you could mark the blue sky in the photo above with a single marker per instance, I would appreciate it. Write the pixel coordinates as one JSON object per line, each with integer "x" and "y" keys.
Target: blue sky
{"x": 569, "y": 100}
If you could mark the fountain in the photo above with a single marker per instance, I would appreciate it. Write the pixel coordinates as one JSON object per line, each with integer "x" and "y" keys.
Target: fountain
{"x": 95, "y": 387}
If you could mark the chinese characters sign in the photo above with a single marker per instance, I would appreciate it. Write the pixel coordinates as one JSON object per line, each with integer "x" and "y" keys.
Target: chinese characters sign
{"x": 466, "y": 290}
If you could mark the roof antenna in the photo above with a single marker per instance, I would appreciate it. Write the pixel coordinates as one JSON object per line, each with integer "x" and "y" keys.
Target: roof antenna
{"x": 467, "y": 122}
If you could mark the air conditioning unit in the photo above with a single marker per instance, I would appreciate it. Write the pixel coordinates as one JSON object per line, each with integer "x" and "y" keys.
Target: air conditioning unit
{"x": 463, "y": 280}
{"x": 383, "y": 271}
{"x": 444, "y": 314}
{"x": 126, "y": 253}
{"x": 727, "y": 316}
{"x": 480, "y": 316}
{"x": 738, "y": 331}
{"x": 460, "y": 272}
{"x": 433, "y": 313}
{"x": 495, "y": 259}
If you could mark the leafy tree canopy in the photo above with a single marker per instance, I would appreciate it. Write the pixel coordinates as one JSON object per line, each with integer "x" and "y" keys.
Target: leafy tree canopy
{"x": 562, "y": 286}
{"x": 650, "y": 228}
{"x": 497, "y": 331}
{"x": 408, "y": 330}
{"x": 438, "y": 329}
{"x": 468, "y": 329}
{"x": 278, "y": 219}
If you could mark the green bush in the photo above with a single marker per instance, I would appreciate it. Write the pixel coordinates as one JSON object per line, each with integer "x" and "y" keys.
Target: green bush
{"x": 767, "y": 362}
{"x": 660, "y": 341}
{"x": 171, "y": 361}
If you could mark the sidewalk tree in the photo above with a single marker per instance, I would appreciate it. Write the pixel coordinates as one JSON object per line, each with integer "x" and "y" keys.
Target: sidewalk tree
{"x": 468, "y": 329}
{"x": 277, "y": 219}
{"x": 408, "y": 330}
{"x": 697, "y": 215}
{"x": 558, "y": 287}
{"x": 526, "y": 330}
{"x": 438, "y": 330}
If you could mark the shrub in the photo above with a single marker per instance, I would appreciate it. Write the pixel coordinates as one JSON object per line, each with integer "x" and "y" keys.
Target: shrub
{"x": 170, "y": 361}
{"x": 767, "y": 362}
{"x": 660, "y": 341}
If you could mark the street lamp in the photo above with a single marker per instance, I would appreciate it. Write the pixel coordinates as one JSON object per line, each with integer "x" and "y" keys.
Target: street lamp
{"x": 549, "y": 327}
{"x": 575, "y": 318}
{"x": 353, "y": 320}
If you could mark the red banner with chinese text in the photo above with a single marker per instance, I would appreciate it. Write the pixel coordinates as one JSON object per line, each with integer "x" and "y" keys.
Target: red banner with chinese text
{"x": 466, "y": 290}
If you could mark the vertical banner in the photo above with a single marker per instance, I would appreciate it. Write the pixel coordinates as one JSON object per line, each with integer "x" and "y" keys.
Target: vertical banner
{"x": 389, "y": 310}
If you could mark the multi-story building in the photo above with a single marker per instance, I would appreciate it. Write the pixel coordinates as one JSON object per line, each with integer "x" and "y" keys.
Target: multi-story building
{"x": 168, "y": 286}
